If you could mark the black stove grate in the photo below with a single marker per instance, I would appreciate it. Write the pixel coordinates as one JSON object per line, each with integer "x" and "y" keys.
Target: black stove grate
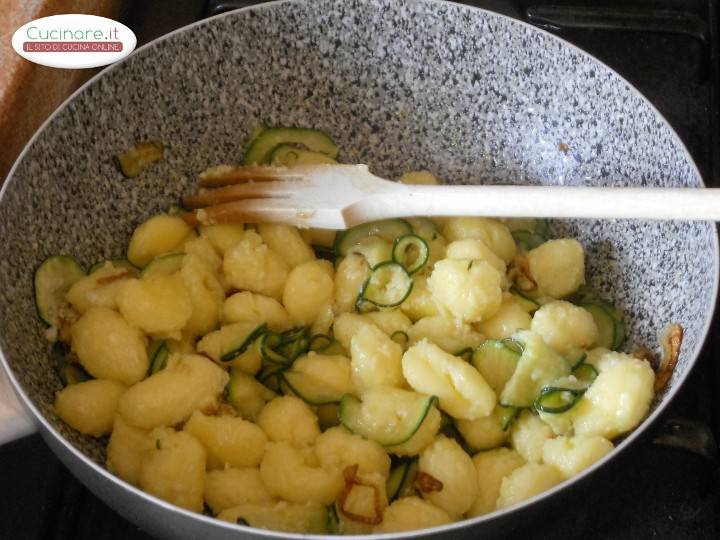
{"x": 669, "y": 50}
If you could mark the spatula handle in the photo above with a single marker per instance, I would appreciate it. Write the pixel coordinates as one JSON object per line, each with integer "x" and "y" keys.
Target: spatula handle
{"x": 547, "y": 201}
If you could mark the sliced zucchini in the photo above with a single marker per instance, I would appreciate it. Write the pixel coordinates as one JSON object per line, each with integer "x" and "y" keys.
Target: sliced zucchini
{"x": 158, "y": 354}
{"x": 556, "y": 400}
{"x": 52, "y": 281}
{"x": 245, "y": 394}
{"x": 527, "y": 240}
{"x": 68, "y": 370}
{"x": 164, "y": 265}
{"x": 526, "y": 303}
{"x": 388, "y": 416}
{"x": 537, "y": 367}
{"x": 271, "y": 375}
{"x": 288, "y": 155}
{"x": 310, "y": 389}
{"x": 585, "y": 373}
{"x": 260, "y": 149}
{"x": 135, "y": 160}
{"x": 320, "y": 342}
{"x": 507, "y": 415}
{"x": 401, "y": 481}
{"x": 608, "y": 319}
{"x": 542, "y": 227}
{"x": 334, "y": 525}
{"x": 496, "y": 361}
{"x": 389, "y": 285}
{"x": 411, "y": 252}
{"x": 238, "y": 344}
{"x": 73, "y": 374}
{"x": 117, "y": 263}
{"x": 254, "y": 132}
{"x": 400, "y": 337}
{"x": 388, "y": 229}
{"x": 466, "y": 354}
{"x": 285, "y": 347}
{"x": 605, "y": 324}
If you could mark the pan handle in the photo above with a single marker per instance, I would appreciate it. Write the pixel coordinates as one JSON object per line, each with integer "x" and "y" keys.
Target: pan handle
{"x": 14, "y": 421}
{"x": 686, "y": 434}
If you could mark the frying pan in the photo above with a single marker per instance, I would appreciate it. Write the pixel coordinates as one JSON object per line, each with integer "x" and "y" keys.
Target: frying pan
{"x": 473, "y": 96}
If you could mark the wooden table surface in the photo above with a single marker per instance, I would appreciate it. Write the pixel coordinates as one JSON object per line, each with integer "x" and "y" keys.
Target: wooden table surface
{"x": 29, "y": 92}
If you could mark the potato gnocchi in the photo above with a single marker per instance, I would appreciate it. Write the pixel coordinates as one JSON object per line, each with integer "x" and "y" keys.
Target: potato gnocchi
{"x": 432, "y": 371}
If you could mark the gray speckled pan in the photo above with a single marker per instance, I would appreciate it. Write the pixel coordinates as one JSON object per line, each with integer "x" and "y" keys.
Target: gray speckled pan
{"x": 470, "y": 95}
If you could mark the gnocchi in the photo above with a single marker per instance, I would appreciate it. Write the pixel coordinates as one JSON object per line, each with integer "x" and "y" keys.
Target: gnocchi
{"x": 228, "y": 441}
{"x": 108, "y": 347}
{"x": 238, "y": 370}
{"x": 469, "y": 289}
{"x": 173, "y": 468}
{"x": 159, "y": 234}
{"x": 462, "y": 391}
{"x": 558, "y": 266}
{"x": 251, "y": 265}
{"x": 227, "y": 488}
{"x": 448, "y": 463}
{"x": 89, "y": 406}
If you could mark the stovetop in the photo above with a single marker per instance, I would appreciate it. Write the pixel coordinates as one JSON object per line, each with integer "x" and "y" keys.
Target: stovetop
{"x": 669, "y": 50}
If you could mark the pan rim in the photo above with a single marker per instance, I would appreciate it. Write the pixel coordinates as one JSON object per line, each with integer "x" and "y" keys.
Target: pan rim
{"x": 71, "y": 452}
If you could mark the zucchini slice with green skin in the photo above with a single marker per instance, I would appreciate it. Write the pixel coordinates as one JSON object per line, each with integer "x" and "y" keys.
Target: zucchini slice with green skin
{"x": 605, "y": 324}
{"x": 542, "y": 227}
{"x": 164, "y": 265}
{"x": 159, "y": 354}
{"x": 320, "y": 342}
{"x": 411, "y": 252}
{"x": 334, "y": 525}
{"x": 68, "y": 371}
{"x": 260, "y": 149}
{"x": 256, "y": 130}
{"x": 466, "y": 354}
{"x": 389, "y": 285}
{"x": 556, "y": 400}
{"x": 288, "y": 155}
{"x": 496, "y": 361}
{"x": 507, "y": 415}
{"x": 537, "y": 367}
{"x": 400, "y": 337}
{"x": 270, "y": 375}
{"x": 52, "y": 281}
{"x": 585, "y": 373}
{"x": 526, "y": 303}
{"x": 406, "y": 411}
{"x": 608, "y": 319}
{"x": 308, "y": 388}
{"x": 285, "y": 347}
{"x": 527, "y": 240}
{"x": 73, "y": 374}
{"x": 401, "y": 481}
{"x": 243, "y": 343}
{"x": 117, "y": 263}
{"x": 389, "y": 229}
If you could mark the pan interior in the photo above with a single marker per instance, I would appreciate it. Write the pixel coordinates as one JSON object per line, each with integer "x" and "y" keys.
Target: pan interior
{"x": 471, "y": 96}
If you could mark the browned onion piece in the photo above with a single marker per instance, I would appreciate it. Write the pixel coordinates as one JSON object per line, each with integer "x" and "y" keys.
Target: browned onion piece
{"x": 670, "y": 341}
{"x": 351, "y": 479}
{"x": 427, "y": 483}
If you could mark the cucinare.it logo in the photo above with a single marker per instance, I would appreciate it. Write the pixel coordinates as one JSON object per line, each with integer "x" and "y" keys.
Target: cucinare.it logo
{"x": 73, "y": 41}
